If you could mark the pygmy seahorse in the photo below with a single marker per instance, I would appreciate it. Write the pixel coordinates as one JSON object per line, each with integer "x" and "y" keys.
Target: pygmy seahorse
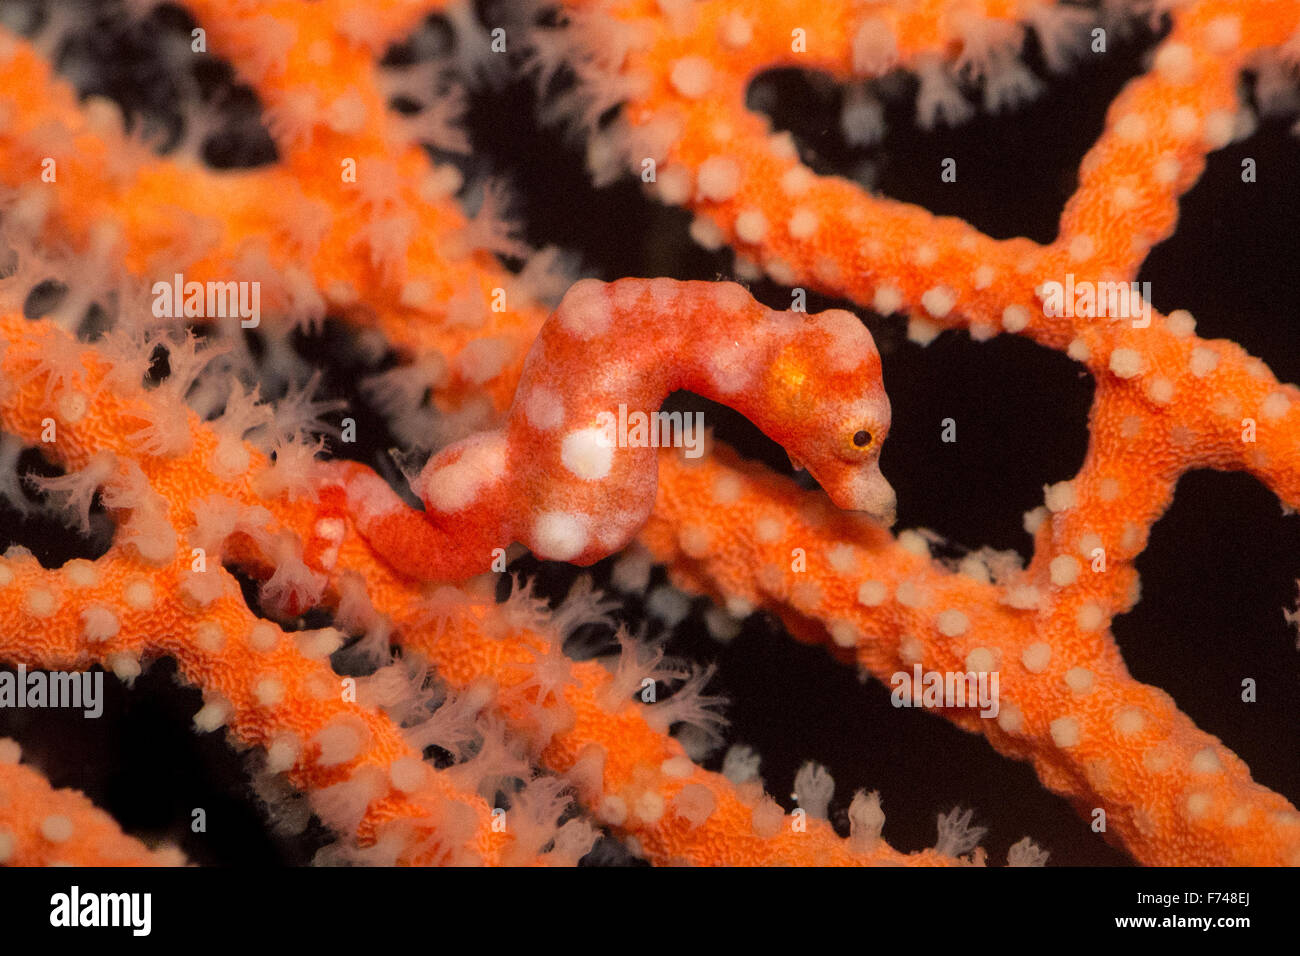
{"x": 554, "y": 476}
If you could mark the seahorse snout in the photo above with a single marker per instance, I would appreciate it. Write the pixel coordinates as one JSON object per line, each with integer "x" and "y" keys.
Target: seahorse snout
{"x": 865, "y": 489}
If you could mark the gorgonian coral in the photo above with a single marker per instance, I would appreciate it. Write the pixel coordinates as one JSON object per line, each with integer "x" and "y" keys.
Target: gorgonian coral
{"x": 201, "y": 323}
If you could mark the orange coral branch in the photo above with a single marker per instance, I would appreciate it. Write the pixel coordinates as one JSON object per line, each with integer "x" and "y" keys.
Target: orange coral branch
{"x": 633, "y": 776}
{"x": 260, "y": 684}
{"x": 268, "y": 688}
{"x": 1173, "y": 794}
{"x": 387, "y": 260}
{"x": 149, "y": 597}
{"x": 41, "y": 826}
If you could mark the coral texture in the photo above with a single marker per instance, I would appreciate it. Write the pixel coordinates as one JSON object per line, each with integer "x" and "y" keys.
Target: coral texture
{"x": 361, "y": 622}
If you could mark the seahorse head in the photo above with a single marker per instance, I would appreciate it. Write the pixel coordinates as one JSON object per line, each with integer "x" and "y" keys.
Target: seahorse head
{"x": 825, "y": 402}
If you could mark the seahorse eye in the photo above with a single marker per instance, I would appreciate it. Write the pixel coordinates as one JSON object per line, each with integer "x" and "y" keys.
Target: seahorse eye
{"x": 862, "y": 439}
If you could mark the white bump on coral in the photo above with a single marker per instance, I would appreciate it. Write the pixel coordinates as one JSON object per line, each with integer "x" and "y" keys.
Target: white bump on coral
{"x": 1129, "y": 721}
{"x": 210, "y": 637}
{"x": 57, "y": 828}
{"x": 1080, "y": 680}
{"x": 40, "y": 602}
{"x": 1204, "y": 360}
{"x": 750, "y": 226}
{"x": 1206, "y": 761}
{"x": 1060, "y": 496}
{"x": 735, "y": 31}
{"x": 1274, "y": 406}
{"x": 1015, "y": 318}
{"x": 872, "y": 593}
{"x": 939, "y": 301}
{"x": 952, "y": 623}
{"x": 212, "y": 715}
{"x": 796, "y": 180}
{"x": 1036, "y": 657}
{"x": 802, "y": 224}
{"x": 718, "y": 179}
{"x": 1132, "y": 127}
{"x": 1064, "y": 570}
{"x": 1126, "y": 363}
{"x": 691, "y": 76}
{"x": 1090, "y": 616}
{"x": 1065, "y": 731}
{"x": 887, "y": 300}
{"x": 268, "y": 691}
{"x": 1223, "y": 33}
{"x": 1174, "y": 62}
{"x": 981, "y": 660}
{"x": 99, "y": 623}
{"x": 339, "y": 743}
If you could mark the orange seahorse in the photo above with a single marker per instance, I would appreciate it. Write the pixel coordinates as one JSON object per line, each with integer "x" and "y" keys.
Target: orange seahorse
{"x": 556, "y": 475}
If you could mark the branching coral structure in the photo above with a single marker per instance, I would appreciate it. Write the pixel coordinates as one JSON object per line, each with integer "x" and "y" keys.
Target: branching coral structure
{"x": 322, "y": 423}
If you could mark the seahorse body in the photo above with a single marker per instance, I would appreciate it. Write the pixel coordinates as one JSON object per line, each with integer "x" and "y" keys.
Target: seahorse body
{"x": 554, "y": 477}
